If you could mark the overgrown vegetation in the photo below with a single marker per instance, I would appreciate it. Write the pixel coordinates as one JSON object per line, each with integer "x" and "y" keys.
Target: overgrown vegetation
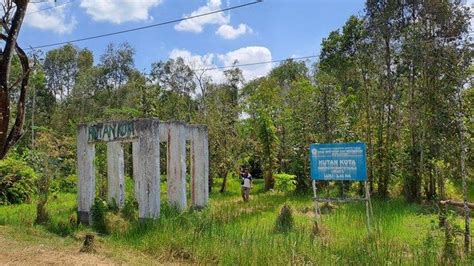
{"x": 405, "y": 233}
{"x": 385, "y": 78}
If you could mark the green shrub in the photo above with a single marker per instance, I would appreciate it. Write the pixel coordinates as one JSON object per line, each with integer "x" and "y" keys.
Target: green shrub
{"x": 284, "y": 222}
{"x": 17, "y": 182}
{"x": 285, "y": 182}
{"x": 68, "y": 184}
{"x": 129, "y": 210}
{"x": 99, "y": 211}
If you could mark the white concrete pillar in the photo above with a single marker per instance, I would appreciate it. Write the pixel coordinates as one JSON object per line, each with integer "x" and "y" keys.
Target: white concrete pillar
{"x": 115, "y": 174}
{"x": 146, "y": 168}
{"x": 199, "y": 165}
{"x": 86, "y": 175}
{"x": 177, "y": 165}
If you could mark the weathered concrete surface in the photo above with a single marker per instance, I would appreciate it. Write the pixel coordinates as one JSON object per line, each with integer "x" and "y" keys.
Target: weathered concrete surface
{"x": 199, "y": 165}
{"x": 145, "y": 135}
{"x": 146, "y": 168}
{"x": 86, "y": 173}
{"x": 177, "y": 165}
{"x": 115, "y": 174}
{"x": 111, "y": 131}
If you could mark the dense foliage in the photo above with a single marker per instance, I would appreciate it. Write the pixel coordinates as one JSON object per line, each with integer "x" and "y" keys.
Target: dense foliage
{"x": 285, "y": 182}
{"x": 17, "y": 182}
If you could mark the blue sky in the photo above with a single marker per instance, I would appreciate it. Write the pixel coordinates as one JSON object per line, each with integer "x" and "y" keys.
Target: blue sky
{"x": 271, "y": 30}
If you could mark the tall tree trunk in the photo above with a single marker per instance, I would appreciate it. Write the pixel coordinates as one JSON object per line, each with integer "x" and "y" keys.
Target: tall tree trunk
{"x": 224, "y": 183}
{"x": 368, "y": 132}
{"x": 8, "y": 138}
{"x": 462, "y": 155}
{"x": 439, "y": 173}
{"x": 380, "y": 152}
{"x": 413, "y": 181}
{"x": 383, "y": 187}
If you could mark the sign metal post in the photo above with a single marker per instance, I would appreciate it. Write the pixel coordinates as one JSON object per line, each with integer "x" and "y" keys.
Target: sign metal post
{"x": 340, "y": 162}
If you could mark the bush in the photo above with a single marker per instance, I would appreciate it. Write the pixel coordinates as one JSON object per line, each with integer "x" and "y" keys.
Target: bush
{"x": 17, "y": 182}
{"x": 129, "y": 210}
{"x": 68, "y": 184}
{"x": 99, "y": 211}
{"x": 285, "y": 182}
{"x": 284, "y": 222}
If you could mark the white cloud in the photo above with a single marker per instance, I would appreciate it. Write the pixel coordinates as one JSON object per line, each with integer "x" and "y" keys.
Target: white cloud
{"x": 246, "y": 55}
{"x": 119, "y": 11}
{"x": 249, "y": 55}
{"x": 199, "y": 62}
{"x": 196, "y": 24}
{"x": 53, "y": 19}
{"x": 228, "y": 32}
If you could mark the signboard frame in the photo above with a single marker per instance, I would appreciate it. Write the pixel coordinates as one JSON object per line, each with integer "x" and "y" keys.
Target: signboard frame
{"x": 343, "y": 164}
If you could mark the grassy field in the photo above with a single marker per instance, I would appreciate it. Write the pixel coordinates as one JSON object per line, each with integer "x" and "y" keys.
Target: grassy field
{"x": 232, "y": 232}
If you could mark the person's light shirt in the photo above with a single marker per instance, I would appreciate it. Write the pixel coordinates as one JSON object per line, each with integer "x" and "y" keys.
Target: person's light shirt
{"x": 246, "y": 182}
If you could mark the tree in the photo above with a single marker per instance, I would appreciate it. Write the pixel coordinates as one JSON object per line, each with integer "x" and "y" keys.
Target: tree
{"x": 263, "y": 105}
{"x": 62, "y": 67}
{"x": 178, "y": 79}
{"x": 116, "y": 66}
{"x": 14, "y": 12}
{"x": 300, "y": 119}
{"x": 222, "y": 118}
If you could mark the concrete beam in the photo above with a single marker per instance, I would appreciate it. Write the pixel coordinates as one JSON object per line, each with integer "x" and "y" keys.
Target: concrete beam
{"x": 146, "y": 168}
{"x": 115, "y": 174}
{"x": 199, "y": 165}
{"x": 86, "y": 174}
{"x": 177, "y": 165}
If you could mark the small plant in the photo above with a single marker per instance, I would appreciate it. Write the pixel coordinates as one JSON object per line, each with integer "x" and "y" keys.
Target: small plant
{"x": 73, "y": 219}
{"x": 430, "y": 249}
{"x": 450, "y": 252}
{"x": 284, "y": 222}
{"x": 113, "y": 206}
{"x": 129, "y": 210}
{"x": 99, "y": 211}
{"x": 285, "y": 182}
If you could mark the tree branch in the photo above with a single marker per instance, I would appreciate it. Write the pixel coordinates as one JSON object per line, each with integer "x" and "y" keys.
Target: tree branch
{"x": 17, "y": 129}
{"x": 9, "y": 137}
{"x": 10, "y": 42}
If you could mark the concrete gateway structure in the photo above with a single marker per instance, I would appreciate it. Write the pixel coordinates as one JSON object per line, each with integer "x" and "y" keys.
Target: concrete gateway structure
{"x": 145, "y": 135}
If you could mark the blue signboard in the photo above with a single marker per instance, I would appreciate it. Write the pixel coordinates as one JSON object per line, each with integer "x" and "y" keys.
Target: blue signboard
{"x": 338, "y": 161}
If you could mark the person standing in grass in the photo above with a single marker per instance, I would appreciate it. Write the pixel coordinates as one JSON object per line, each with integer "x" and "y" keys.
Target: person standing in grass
{"x": 246, "y": 184}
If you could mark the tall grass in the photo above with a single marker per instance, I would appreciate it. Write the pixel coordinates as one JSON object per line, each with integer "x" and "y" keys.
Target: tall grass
{"x": 230, "y": 231}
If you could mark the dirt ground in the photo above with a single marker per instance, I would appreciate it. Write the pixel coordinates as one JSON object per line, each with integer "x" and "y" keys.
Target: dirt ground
{"x": 35, "y": 248}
